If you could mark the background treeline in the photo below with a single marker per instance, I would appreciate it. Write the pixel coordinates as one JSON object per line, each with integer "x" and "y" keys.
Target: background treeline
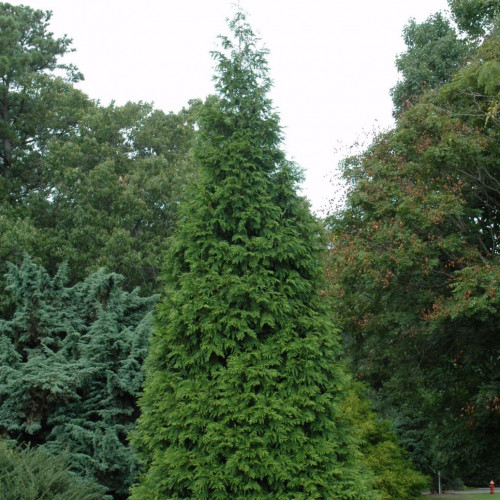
{"x": 83, "y": 188}
{"x": 415, "y": 251}
{"x": 89, "y": 197}
{"x": 81, "y": 183}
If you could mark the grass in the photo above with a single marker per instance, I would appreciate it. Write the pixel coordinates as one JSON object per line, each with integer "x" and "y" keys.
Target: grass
{"x": 476, "y": 496}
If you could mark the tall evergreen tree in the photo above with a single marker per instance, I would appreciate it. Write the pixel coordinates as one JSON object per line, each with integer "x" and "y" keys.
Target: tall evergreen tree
{"x": 244, "y": 378}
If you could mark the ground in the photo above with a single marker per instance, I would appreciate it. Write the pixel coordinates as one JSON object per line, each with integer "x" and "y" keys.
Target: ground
{"x": 465, "y": 494}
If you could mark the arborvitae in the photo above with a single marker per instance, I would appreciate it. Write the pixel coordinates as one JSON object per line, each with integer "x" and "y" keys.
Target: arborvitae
{"x": 244, "y": 377}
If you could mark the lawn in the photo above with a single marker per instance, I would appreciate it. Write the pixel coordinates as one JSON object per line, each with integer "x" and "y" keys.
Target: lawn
{"x": 472, "y": 496}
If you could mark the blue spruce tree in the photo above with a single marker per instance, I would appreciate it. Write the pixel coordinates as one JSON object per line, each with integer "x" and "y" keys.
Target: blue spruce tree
{"x": 71, "y": 369}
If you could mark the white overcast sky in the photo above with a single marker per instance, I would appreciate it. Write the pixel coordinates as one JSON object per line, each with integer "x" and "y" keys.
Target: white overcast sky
{"x": 332, "y": 62}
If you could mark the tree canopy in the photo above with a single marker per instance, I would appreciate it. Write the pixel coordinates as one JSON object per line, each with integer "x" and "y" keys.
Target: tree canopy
{"x": 30, "y": 93}
{"x": 415, "y": 271}
{"x": 90, "y": 185}
{"x": 475, "y": 17}
{"x": 247, "y": 391}
{"x": 434, "y": 53}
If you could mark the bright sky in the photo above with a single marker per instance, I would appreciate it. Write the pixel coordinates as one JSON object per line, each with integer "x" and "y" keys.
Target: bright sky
{"x": 332, "y": 62}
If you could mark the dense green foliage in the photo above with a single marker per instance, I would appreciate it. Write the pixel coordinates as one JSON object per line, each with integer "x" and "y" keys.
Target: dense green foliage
{"x": 415, "y": 267}
{"x": 244, "y": 380}
{"x": 30, "y": 94}
{"x": 88, "y": 185}
{"x": 33, "y": 474}
{"x": 70, "y": 369}
{"x": 434, "y": 52}
{"x": 109, "y": 197}
{"x": 475, "y": 17}
{"x": 395, "y": 478}
{"x": 115, "y": 187}
{"x": 247, "y": 394}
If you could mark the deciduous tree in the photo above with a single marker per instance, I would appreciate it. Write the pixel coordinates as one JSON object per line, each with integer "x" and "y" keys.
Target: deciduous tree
{"x": 434, "y": 53}
{"x": 475, "y": 17}
{"x": 31, "y": 93}
{"x": 415, "y": 271}
{"x": 90, "y": 185}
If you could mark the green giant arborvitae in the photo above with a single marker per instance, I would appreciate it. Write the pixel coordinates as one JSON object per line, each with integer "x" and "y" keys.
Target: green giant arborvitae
{"x": 244, "y": 380}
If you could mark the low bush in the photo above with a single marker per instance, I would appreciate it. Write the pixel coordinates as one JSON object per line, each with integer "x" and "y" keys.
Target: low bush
{"x": 34, "y": 474}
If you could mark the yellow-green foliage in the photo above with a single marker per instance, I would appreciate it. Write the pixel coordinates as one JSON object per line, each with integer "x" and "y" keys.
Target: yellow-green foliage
{"x": 395, "y": 479}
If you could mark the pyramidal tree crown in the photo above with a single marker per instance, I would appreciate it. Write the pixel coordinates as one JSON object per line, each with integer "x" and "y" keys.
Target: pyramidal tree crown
{"x": 244, "y": 380}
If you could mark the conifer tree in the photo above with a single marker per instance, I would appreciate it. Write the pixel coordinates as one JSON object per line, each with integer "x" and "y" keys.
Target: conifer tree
{"x": 244, "y": 377}
{"x": 70, "y": 369}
